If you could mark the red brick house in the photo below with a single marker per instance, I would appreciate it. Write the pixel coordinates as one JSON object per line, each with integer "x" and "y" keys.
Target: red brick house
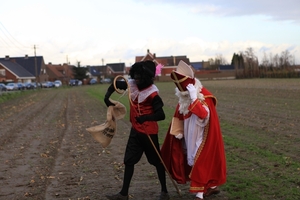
{"x": 10, "y": 71}
{"x": 35, "y": 65}
{"x": 60, "y": 72}
{"x": 169, "y": 63}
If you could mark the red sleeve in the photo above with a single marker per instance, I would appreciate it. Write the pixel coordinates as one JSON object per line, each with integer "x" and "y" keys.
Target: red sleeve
{"x": 197, "y": 108}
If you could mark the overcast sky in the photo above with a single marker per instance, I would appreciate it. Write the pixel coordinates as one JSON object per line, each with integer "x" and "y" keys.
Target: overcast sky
{"x": 90, "y": 31}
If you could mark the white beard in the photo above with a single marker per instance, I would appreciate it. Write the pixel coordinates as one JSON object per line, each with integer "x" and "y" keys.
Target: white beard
{"x": 185, "y": 99}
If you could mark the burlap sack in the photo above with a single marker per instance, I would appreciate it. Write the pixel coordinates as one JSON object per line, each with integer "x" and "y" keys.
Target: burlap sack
{"x": 119, "y": 110}
{"x": 105, "y": 132}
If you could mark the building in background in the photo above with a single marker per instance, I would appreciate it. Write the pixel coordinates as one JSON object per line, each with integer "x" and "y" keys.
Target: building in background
{"x": 35, "y": 65}
{"x": 13, "y": 72}
{"x": 62, "y": 72}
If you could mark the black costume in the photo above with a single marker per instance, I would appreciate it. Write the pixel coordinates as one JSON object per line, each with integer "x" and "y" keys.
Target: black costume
{"x": 145, "y": 110}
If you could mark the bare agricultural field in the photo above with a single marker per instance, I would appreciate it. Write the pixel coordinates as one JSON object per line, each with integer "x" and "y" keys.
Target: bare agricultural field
{"x": 45, "y": 152}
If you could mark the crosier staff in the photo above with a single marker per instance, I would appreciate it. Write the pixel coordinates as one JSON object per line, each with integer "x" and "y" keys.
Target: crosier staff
{"x": 122, "y": 92}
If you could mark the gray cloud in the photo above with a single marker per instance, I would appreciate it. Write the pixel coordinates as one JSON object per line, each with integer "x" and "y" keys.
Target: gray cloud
{"x": 275, "y": 9}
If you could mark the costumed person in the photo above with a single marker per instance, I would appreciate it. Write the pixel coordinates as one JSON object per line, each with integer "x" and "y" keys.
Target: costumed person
{"x": 193, "y": 149}
{"x": 146, "y": 108}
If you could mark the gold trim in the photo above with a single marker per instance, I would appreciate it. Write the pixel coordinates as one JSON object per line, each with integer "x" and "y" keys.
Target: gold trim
{"x": 213, "y": 97}
{"x": 194, "y": 104}
{"x": 196, "y": 189}
{"x": 177, "y": 82}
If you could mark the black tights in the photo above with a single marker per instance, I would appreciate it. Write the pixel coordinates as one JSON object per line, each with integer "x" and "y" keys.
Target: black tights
{"x": 129, "y": 169}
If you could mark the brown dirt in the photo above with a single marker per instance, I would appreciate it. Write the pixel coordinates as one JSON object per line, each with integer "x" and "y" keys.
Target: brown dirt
{"x": 46, "y": 153}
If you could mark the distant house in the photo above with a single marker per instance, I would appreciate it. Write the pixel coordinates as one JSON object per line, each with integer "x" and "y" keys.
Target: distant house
{"x": 166, "y": 60}
{"x": 97, "y": 72}
{"x": 60, "y": 72}
{"x": 115, "y": 69}
{"x": 202, "y": 69}
{"x": 13, "y": 72}
{"x": 33, "y": 64}
{"x": 110, "y": 70}
{"x": 169, "y": 62}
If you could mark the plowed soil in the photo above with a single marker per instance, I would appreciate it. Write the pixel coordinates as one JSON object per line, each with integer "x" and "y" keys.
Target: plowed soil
{"x": 46, "y": 153}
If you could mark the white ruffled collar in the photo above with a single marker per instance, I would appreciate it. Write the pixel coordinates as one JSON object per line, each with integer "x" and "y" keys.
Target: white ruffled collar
{"x": 141, "y": 95}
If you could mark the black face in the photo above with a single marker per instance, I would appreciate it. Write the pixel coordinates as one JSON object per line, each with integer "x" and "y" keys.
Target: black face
{"x": 141, "y": 74}
{"x": 137, "y": 78}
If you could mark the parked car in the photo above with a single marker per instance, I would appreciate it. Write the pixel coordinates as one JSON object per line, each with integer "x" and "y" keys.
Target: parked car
{"x": 21, "y": 86}
{"x": 11, "y": 86}
{"x": 44, "y": 84}
{"x": 36, "y": 85}
{"x": 105, "y": 80}
{"x": 93, "y": 81}
{"x": 57, "y": 83}
{"x": 50, "y": 84}
{"x": 73, "y": 82}
{"x": 29, "y": 86}
{"x": 3, "y": 87}
{"x": 47, "y": 84}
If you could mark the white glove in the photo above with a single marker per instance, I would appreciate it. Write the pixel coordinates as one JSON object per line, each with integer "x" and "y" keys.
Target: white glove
{"x": 192, "y": 91}
{"x": 179, "y": 136}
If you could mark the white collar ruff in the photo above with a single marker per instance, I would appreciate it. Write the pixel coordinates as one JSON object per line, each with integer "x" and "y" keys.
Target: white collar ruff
{"x": 141, "y": 95}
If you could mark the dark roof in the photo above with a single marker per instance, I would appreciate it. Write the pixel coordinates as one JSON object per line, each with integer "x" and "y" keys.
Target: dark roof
{"x": 16, "y": 69}
{"x": 97, "y": 70}
{"x": 117, "y": 67}
{"x": 28, "y": 62}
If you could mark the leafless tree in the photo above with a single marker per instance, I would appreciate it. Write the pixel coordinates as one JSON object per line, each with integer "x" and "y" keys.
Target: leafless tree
{"x": 220, "y": 60}
{"x": 211, "y": 61}
{"x": 285, "y": 59}
{"x": 251, "y": 62}
{"x": 275, "y": 60}
{"x": 265, "y": 61}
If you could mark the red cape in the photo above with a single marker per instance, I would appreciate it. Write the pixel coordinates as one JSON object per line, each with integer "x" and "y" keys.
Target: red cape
{"x": 209, "y": 168}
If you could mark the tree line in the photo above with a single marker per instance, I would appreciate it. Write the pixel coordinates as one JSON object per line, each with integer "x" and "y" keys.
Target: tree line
{"x": 246, "y": 65}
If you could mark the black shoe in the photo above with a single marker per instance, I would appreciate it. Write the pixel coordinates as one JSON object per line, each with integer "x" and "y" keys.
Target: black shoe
{"x": 164, "y": 196}
{"x": 211, "y": 191}
{"x": 117, "y": 197}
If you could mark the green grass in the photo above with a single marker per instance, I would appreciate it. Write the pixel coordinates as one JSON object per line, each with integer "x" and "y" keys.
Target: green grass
{"x": 252, "y": 169}
{"x": 6, "y": 96}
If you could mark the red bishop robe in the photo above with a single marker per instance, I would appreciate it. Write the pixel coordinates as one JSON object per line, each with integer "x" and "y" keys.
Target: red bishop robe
{"x": 209, "y": 167}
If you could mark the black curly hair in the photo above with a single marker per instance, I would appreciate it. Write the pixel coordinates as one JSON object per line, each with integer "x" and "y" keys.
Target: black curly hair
{"x": 143, "y": 73}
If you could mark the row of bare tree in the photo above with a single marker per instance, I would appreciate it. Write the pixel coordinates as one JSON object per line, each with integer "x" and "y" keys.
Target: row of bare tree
{"x": 247, "y": 66}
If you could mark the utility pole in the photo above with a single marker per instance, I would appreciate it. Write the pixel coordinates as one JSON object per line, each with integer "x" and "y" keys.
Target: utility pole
{"x": 66, "y": 68}
{"x": 36, "y": 71}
